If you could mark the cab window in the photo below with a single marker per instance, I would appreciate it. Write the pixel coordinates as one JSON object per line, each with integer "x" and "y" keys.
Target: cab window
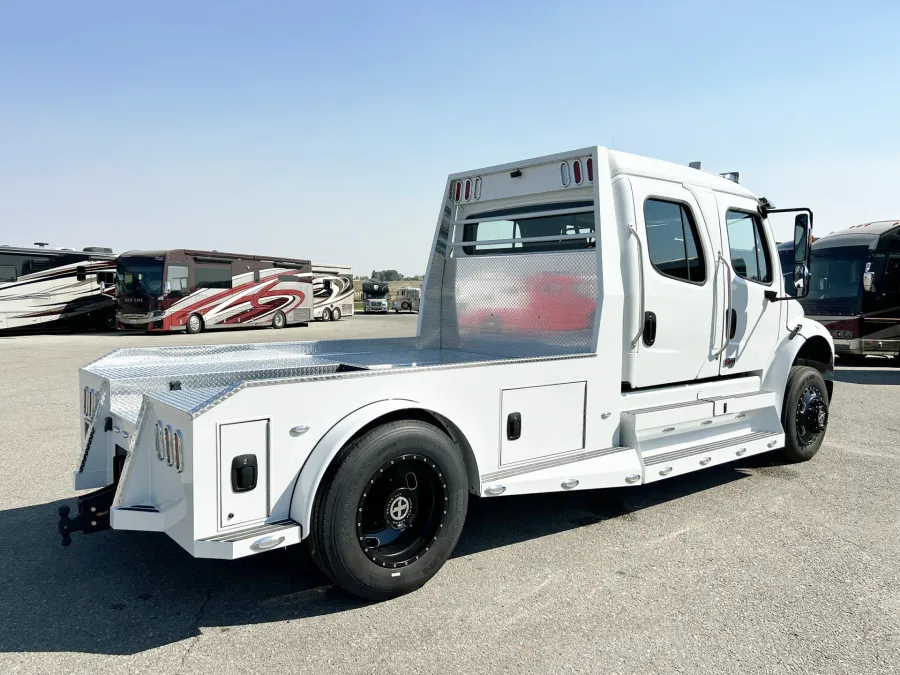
{"x": 672, "y": 241}
{"x": 749, "y": 247}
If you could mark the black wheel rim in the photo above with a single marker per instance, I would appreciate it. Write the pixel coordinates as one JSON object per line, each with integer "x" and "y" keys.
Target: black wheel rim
{"x": 812, "y": 415}
{"x": 402, "y": 511}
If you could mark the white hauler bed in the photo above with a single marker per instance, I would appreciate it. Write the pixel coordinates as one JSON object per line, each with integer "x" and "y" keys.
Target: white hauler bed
{"x": 191, "y": 379}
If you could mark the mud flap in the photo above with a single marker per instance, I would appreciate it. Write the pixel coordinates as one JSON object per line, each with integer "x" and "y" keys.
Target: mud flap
{"x": 93, "y": 513}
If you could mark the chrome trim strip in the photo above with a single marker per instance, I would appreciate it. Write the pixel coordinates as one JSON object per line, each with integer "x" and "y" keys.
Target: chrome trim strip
{"x": 700, "y": 449}
{"x": 255, "y": 531}
{"x": 550, "y": 462}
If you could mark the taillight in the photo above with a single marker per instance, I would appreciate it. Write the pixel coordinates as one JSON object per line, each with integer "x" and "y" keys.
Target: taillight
{"x": 468, "y": 189}
{"x": 564, "y": 174}
{"x": 458, "y": 190}
{"x": 160, "y": 442}
{"x": 576, "y": 170}
{"x": 590, "y": 169}
{"x": 179, "y": 456}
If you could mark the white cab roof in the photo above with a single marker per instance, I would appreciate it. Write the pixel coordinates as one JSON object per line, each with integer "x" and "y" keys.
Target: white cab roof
{"x": 636, "y": 165}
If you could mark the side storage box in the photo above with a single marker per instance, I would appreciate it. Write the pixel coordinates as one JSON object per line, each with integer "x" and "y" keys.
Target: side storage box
{"x": 541, "y": 421}
{"x": 243, "y": 472}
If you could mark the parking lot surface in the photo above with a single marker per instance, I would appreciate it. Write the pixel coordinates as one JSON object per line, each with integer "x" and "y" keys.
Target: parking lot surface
{"x": 749, "y": 567}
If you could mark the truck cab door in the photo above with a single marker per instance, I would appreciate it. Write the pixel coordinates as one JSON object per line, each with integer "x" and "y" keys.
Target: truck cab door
{"x": 754, "y": 322}
{"x": 676, "y": 333}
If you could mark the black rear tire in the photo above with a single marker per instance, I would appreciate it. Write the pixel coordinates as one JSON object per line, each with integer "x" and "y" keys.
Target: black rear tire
{"x": 804, "y": 414}
{"x": 338, "y": 541}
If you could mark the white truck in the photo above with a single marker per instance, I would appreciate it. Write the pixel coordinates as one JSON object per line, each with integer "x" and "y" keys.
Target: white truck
{"x": 592, "y": 319}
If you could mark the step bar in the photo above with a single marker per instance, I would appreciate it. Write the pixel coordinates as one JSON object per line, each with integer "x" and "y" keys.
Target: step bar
{"x": 250, "y": 540}
{"x": 692, "y": 458}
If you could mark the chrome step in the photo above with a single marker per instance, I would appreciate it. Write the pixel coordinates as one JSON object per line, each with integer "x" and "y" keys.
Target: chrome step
{"x": 708, "y": 447}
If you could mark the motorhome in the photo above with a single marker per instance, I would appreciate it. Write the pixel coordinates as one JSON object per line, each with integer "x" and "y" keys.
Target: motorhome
{"x": 406, "y": 299}
{"x": 333, "y": 292}
{"x": 690, "y": 355}
{"x": 42, "y": 287}
{"x": 187, "y": 290}
{"x": 855, "y": 289}
{"x": 374, "y": 295}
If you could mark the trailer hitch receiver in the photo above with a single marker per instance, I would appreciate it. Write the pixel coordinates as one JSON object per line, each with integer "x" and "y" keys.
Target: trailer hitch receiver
{"x": 93, "y": 514}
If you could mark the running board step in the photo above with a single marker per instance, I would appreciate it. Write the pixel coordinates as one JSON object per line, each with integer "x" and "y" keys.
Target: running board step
{"x": 684, "y": 460}
{"x": 256, "y": 539}
{"x": 732, "y": 405}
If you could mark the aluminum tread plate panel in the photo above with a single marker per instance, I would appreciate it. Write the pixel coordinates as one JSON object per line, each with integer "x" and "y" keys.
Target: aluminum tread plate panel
{"x": 189, "y": 400}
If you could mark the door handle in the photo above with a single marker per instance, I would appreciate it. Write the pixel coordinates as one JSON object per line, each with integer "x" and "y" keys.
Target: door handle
{"x": 633, "y": 231}
{"x": 649, "y": 328}
{"x": 513, "y": 426}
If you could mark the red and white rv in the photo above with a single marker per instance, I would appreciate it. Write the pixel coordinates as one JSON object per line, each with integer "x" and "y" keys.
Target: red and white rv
{"x": 195, "y": 290}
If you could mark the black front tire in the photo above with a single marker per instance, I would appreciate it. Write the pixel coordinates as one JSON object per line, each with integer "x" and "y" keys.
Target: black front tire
{"x": 278, "y": 320}
{"x": 334, "y": 542}
{"x": 802, "y": 441}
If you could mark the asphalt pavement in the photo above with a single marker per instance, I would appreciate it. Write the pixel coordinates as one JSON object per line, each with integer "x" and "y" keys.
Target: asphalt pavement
{"x": 745, "y": 568}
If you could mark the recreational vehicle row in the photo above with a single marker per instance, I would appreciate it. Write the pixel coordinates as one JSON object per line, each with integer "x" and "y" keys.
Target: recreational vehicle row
{"x": 170, "y": 290}
{"x": 681, "y": 350}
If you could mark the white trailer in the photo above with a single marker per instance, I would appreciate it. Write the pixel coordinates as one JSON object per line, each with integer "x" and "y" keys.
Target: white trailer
{"x": 332, "y": 292}
{"x": 589, "y": 320}
{"x": 406, "y": 299}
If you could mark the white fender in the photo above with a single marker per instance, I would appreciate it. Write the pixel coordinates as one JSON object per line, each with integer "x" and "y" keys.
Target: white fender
{"x": 786, "y": 353}
{"x": 329, "y": 445}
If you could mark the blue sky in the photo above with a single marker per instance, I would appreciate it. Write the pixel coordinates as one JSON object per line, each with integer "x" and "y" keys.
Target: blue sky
{"x": 326, "y": 130}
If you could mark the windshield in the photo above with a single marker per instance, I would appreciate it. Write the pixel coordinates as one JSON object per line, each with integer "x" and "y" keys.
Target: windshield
{"x": 836, "y": 280}
{"x": 139, "y": 275}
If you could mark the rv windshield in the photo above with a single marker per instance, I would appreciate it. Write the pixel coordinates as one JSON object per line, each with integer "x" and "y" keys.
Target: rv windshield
{"x": 836, "y": 280}
{"x": 139, "y": 275}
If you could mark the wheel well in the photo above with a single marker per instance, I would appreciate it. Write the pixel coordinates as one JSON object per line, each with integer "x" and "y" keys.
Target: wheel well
{"x": 438, "y": 421}
{"x": 816, "y": 353}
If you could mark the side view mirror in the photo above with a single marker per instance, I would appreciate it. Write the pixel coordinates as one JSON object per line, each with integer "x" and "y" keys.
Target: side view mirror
{"x": 80, "y": 273}
{"x": 801, "y": 254}
{"x": 167, "y": 288}
{"x": 869, "y": 281}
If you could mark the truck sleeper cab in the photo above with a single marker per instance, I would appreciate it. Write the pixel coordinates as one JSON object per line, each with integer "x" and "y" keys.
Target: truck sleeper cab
{"x": 590, "y": 319}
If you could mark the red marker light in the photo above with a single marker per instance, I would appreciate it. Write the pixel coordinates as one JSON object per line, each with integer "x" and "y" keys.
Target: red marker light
{"x": 590, "y": 169}
{"x": 458, "y": 190}
{"x": 468, "y": 189}
{"x": 576, "y": 171}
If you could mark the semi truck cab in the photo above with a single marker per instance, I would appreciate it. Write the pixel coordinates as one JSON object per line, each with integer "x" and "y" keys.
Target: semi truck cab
{"x": 641, "y": 330}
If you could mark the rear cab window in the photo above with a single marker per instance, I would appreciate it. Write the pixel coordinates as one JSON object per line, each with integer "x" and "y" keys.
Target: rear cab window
{"x": 531, "y": 229}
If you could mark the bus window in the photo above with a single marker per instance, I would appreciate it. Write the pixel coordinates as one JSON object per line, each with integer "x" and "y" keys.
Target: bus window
{"x": 177, "y": 278}
{"x": 7, "y": 273}
{"x": 213, "y": 277}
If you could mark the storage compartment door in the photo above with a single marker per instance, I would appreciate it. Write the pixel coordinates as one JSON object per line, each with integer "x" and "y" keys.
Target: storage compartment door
{"x": 243, "y": 472}
{"x": 541, "y": 421}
